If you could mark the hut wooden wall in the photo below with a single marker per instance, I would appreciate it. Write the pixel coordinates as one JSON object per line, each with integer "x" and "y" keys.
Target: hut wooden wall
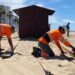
{"x": 32, "y": 23}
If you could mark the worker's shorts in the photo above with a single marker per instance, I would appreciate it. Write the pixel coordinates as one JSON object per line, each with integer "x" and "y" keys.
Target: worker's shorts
{"x": 46, "y": 48}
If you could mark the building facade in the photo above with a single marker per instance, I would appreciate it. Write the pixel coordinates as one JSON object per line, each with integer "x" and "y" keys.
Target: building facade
{"x": 33, "y": 21}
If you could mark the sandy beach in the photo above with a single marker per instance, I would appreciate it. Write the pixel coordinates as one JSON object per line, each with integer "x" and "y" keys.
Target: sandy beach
{"x": 23, "y": 63}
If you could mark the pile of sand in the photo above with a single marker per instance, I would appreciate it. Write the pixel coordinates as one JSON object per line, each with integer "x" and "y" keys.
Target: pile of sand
{"x": 23, "y": 63}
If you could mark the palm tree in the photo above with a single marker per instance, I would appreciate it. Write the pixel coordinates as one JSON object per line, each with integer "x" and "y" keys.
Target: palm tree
{"x": 2, "y": 12}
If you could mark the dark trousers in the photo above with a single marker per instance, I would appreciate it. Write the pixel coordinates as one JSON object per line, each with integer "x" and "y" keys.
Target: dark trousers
{"x": 46, "y": 48}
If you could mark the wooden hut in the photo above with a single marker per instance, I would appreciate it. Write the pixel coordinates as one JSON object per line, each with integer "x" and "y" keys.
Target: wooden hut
{"x": 33, "y": 21}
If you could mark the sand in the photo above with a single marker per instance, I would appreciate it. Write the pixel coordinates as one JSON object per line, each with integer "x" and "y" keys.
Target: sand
{"x": 23, "y": 63}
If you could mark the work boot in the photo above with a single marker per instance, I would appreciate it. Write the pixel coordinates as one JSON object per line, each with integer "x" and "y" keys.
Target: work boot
{"x": 1, "y": 49}
{"x": 10, "y": 53}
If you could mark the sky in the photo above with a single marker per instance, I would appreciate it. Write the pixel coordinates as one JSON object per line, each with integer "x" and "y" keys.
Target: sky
{"x": 64, "y": 10}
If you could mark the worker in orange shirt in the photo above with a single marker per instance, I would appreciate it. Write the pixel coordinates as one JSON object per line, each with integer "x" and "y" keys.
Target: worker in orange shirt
{"x": 7, "y": 30}
{"x": 56, "y": 36}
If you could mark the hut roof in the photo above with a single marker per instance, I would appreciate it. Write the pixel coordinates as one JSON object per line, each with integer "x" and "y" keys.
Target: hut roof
{"x": 34, "y": 7}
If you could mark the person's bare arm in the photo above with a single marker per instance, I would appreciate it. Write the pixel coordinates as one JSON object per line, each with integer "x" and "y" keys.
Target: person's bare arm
{"x": 59, "y": 46}
{"x": 0, "y": 41}
{"x": 10, "y": 43}
{"x": 65, "y": 42}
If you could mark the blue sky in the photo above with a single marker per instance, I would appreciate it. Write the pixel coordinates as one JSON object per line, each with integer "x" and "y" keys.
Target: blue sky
{"x": 65, "y": 10}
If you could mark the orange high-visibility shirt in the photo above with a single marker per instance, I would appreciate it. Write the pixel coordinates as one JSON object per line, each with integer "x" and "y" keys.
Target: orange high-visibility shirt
{"x": 5, "y": 30}
{"x": 43, "y": 40}
{"x": 54, "y": 35}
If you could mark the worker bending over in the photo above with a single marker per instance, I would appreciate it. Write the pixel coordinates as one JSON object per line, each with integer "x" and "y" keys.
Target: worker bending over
{"x": 7, "y": 30}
